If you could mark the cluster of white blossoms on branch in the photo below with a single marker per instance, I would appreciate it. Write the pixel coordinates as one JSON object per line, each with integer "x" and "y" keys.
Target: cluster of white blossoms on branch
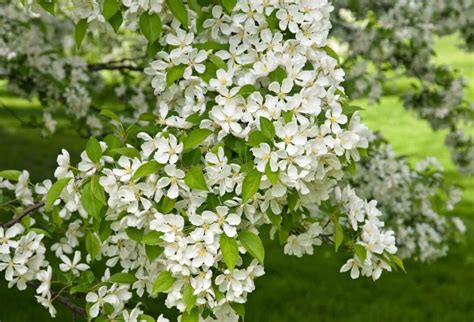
{"x": 249, "y": 132}
{"x": 411, "y": 201}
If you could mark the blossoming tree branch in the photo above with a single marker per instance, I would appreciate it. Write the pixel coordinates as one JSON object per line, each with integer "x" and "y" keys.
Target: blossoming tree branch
{"x": 209, "y": 124}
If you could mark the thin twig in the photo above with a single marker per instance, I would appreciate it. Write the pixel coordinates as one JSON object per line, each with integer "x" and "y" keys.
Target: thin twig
{"x": 98, "y": 67}
{"x": 64, "y": 301}
{"x": 23, "y": 214}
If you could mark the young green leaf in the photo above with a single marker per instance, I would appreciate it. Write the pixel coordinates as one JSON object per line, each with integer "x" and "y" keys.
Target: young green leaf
{"x": 251, "y": 184}
{"x": 166, "y": 205}
{"x": 397, "y": 261}
{"x": 272, "y": 176}
{"x": 193, "y": 139}
{"x": 229, "y": 5}
{"x": 352, "y": 168}
{"x": 361, "y": 252}
{"x": 93, "y": 150}
{"x": 255, "y": 138}
{"x": 110, "y": 8}
{"x": 55, "y": 191}
{"x": 163, "y": 282}
{"x": 152, "y": 238}
{"x": 47, "y": 5}
{"x": 253, "y": 244}
{"x": 150, "y": 26}
{"x": 179, "y": 10}
{"x": 194, "y": 179}
{"x": 134, "y": 234}
{"x": 192, "y": 316}
{"x": 267, "y": 128}
{"x": 93, "y": 197}
{"x": 127, "y": 151}
{"x": 230, "y": 251}
{"x": 80, "y": 31}
{"x": 116, "y": 21}
{"x": 111, "y": 115}
{"x": 239, "y": 308}
{"x": 246, "y": 90}
{"x": 338, "y": 233}
{"x": 146, "y": 169}
{"x": 12, "y": 175}
{"x": 189, "y": 299}
{"x": 123, "y": 278}
{"x": 93, "y": 244}
{"x": 174, "y": 73}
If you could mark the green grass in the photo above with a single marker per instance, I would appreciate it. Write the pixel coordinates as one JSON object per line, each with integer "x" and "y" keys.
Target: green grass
{"x": 309, "y": 289}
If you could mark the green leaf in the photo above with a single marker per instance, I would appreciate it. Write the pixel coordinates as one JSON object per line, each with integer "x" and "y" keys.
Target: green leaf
{"x": 194, "y": 138}
{"x": 150, "y": 26}
{"x": 210, "y": 45}
{"x": 331, "y": 53}
{"x": 123, "y": 278}
{"x": 152, "y": 238}
{"x": 397, "y": 261}
{"x": 93, "y": 197}
{"x": 93, "y": 150}
{"x": 272, "y": 176}
{"x": 229, "y": 5}
{"x": 246, "y": 90}
{"x": 338, "y": 233}
{"x": 352, "y": 168}
{"x": 163, "y": 282}
{"x": 253, "y": 244}
{"x": 216, "y": 60}
{"x": 12, "y": 175}
{"x": 251, "y": 184}
{"x": 174, "y": 73}
{"x": 255, "y": 138}
{"x": 179, "y": 10}
{"x": 230, "y": 251}
{"x": 134, "y": 233}
{"x": 153, "y": 252}
{"x": 93, "y": 244}
{"x": 166, "y": 205}
{"x": 127, "y": 151}
{"x": 194, "y": 179}
{"x": 239, "y": 308}
{"x": 111, "y": 115}
{"x": 192, "y": 316}
{"x": 116, "y": 21}
{"x": 267, "y": 128}
{"x": 47, "y": 5}
{"x": 351, "y": 109}
{"x": 275, "y": 219}
{"x": 278, "y": 75}
{"x": 80, "y": 31}
{"x": 55, "y": 192}
{"x": 110, "y": 8}
{"x": 146, "y": 169}
{"x": 361, "y": 252}
{"x": 189, "y": 299}
{"x": 146, "y": 318}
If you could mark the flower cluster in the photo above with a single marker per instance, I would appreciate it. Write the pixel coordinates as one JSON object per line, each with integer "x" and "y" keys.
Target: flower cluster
{"x": 407, "y": 199}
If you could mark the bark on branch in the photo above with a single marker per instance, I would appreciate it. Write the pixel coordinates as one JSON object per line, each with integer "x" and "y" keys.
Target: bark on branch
{"x": 28, "y": 210}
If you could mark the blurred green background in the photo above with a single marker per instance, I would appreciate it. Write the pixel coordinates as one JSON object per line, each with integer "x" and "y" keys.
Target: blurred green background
{"x": 310, "y": 289}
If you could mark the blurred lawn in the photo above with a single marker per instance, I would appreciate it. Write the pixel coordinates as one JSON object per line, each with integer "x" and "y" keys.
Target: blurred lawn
{"x": 308, "y": 289}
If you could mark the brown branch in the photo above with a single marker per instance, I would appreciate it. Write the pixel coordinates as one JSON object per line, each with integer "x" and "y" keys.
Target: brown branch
{"x": 98, "y": 67}
{"x": 74, "y": 308}
{"x": 28, "y": 210}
